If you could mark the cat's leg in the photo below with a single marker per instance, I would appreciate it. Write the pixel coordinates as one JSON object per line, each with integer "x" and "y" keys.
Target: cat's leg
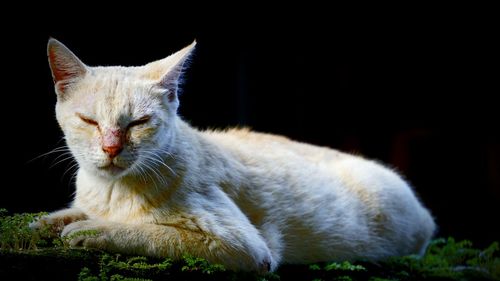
{"x": 236, "y": 247}
{"x": 56, "y": 221}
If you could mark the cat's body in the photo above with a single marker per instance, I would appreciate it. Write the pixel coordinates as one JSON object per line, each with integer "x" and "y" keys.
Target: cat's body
{"x": 246, "y": 200}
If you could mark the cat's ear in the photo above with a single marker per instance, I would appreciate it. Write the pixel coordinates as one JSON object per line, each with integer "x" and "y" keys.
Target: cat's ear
{"x": 167, "y": 72}
{"x": 65, "y": 66}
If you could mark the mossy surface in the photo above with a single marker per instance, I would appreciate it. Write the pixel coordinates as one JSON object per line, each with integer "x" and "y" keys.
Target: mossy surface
{"x": 29, "y": 255}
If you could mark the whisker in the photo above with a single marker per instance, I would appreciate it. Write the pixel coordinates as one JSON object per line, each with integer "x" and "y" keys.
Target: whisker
{"x": 62, "y": 155}
{"x": 158, "y": 160}
{"x": 55, "y": 150}
{"x": 60, "y": 161}
{"x": 155, "y": 171}
{"x": 137, "y": 168}
{"x": 146, "y": 166}
{"x": 168, "y": 153}
{"x": 75, "y": 164}
{"x": 73, "y": 178}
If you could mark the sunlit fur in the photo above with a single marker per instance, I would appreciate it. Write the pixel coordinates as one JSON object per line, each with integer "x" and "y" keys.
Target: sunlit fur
{"x": 247, "y": 200}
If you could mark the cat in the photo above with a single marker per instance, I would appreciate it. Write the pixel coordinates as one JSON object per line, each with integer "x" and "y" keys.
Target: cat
{"x": 150, "y": 184}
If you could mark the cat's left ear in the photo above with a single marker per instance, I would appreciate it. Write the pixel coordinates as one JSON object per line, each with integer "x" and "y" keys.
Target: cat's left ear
{"x": 167, "y": 72}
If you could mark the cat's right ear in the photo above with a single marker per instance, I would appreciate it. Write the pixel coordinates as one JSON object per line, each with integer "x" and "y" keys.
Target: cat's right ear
{"x": 65, "y": 66}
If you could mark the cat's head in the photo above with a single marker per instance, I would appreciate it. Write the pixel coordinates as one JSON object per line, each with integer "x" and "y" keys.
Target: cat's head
{"x": 116, "y": 119}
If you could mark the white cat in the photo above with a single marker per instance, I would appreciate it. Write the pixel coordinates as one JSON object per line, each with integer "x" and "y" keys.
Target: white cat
{"x": 150, "y": 184}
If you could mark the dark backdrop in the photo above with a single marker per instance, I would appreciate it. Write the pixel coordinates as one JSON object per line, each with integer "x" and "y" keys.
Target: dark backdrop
{"x": 415, "y": 92}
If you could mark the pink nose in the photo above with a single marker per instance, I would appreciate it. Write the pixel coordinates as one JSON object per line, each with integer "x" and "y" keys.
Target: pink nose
{"x": 112, "y": 151}
{"x": 112, "y": 142}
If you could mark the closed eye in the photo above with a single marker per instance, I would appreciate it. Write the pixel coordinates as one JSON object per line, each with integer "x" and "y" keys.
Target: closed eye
{"x": 139, "y": 121}
{"x": 87, "y": 120}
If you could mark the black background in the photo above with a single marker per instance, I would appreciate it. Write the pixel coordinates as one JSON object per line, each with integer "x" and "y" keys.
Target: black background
{"x": 416, "y": 91}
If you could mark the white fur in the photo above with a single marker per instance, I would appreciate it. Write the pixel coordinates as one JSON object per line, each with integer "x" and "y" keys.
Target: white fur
{"x": 248, "y": 200}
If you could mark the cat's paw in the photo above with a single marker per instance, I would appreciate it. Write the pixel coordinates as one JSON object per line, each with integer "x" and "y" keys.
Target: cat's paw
{"x": 88, "y": 234}
{"x": 55, "y": 222}
{"x": 264, "y": 267}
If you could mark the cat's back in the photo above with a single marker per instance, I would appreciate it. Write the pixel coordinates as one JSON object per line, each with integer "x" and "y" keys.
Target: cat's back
{"x": 254, "y": 147}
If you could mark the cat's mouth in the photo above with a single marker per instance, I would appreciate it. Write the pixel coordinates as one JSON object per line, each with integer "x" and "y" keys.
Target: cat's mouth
{"x": 112, "y": 168}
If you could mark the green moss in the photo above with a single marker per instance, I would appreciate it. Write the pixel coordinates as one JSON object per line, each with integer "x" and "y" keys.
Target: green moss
{"x": 194, "y": 264}
{"x": 34, "y": 255}
{"x": 344, "y": 266}
{"x": 64, "y": 241}
{"x": 15, "y": 233}
{"x": 447, "y": 258}
{"x": 87, "y": 233}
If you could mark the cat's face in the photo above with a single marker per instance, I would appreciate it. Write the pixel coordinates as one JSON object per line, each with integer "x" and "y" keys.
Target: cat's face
{"x": 116, "y": 120}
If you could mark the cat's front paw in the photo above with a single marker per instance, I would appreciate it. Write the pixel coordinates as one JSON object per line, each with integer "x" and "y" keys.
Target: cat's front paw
{"x": 264, "y": 267}
{"x": 56, "y": 221}
{"x": 88, "y": 234}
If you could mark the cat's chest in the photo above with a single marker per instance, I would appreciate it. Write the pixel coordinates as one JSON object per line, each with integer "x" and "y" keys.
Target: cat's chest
{"x": 122, "y": 203}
